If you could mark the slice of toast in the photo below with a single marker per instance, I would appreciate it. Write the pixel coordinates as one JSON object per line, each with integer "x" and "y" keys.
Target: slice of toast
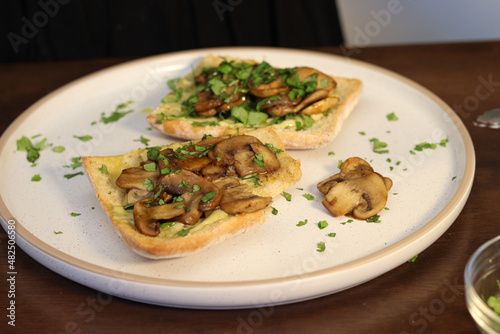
{"x": 168, "y": 117}
{"x": 208, "y": 231}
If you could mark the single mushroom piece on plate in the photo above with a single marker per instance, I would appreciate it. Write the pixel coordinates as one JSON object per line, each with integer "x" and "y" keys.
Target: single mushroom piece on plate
{"x": 357, "y": 190}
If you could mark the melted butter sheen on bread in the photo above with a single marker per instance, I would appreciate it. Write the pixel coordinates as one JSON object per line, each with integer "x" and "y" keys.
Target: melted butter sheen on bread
{"x": 215, "y": 228}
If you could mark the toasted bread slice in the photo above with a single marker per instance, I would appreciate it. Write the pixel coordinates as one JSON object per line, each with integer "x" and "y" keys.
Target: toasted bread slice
{"x": 213, "y": 229}
{"x": 167, "y": 118}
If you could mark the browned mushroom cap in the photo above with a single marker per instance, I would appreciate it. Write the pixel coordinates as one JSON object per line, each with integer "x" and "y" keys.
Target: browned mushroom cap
{"x": 234, "y": 99}
{"x": 238, "y": 152}
{"x": 320, "y": 106}
{"x": 323, "y": 81}
{"x": 147, "y": 216}
{"x": 236, "y": 198}
{"x": 133, "y": 178}
{"x": 356, "y": 190}
{"x": 269, "y": 159}
{"x": 270, "y": 89}
{"x": 197, "y": 194}
{"x": 134, "y": 195}
{"x": 207, "y": 101}
{"x": 179, "y": 160}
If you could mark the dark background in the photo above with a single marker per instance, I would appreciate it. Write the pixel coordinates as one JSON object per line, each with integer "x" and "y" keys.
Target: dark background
{"x": 52, "y": 30}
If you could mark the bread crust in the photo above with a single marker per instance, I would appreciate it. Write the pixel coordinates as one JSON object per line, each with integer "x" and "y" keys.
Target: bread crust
{"x": 112, "y": 199}
{"x": 321, "y": 133}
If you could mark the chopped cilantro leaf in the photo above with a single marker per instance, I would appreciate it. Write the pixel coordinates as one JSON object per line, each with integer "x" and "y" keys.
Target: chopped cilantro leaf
{"x": 143, "y": 140}
{"x": 392, "y": 117}
{"x": 208, "y": 196}
{"x": 70, "y": 176}
{"x": 302, "y": 222}
{"x": 104, "y": 169}
{"x": 374, "y": 219}
{"x": 275, "y": 211}
{"x": 332, "y": 235}
{"x": 287, "y": 196}
{"x": 115, "y": 116}
{"x": 183, "y": 232}
{"x": 58, "y": 149}
{"x": 149, "y": 167}
{"x": 148, "y": 184}
{"x": 36, "y": 178}
{"x": 309, "y": 197}
{"x": 74, "y": 214}
{"x": 321, "y": 246}
{"x": 58, "y": 232}
{"x": 378, "y": 146}
{"x": 322, "y": 224}
{"x": 413, "y": 259}
{"x": 84, "y": 138}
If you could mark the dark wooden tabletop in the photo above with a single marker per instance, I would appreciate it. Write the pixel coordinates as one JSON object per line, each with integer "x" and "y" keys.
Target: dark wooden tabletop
{"x": 426, "y": 296}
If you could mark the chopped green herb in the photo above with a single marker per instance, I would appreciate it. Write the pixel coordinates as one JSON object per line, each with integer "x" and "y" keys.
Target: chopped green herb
{"x": 362, "y": 133}
{"x": 332, "y": 235}
{"x": 143, "y": 140}
{"x": 302, "y": 222}
{"x": 149, "y": 167}
{"x": 339, "y": 165}
{"x": 58, "y": 149}
{"x": 74, "y": 214}
{"x": 84, "y": 138}
{"x": 275, "y": 211}
{"x": 254, "y": 179}
{"x": 36, "y": 178}
{"x": 115, "y": 116}
{"x": 392, "y": 117}
{"x": 347, "y": 222}
{"x": 331, "y": 153}
{"x": 322, "y": 224}
{"x": 309, "y": 197}
{"x": 129, "y": 206}
{"x": 33, "y": 152}
{"x": 183, "y": 232}
{"x": 321, "y": 246}
{"x": 153, "y": 152}
{"x": 378, "y": 146}
{"x": 453, "y": 178}
{"x": 259, "y": 160}
{"x": 274, "y": 149}
{"x": 413, "y": 259}
{"x": 148, "y": 184}
{"x": 374, "y": 219}
{"x": 208, "y": 196}
{"x": 70, "y": 176}
{"x": 58, "y": 232}
{"x": 288, "y": 196}
{"x": 104, "y": 169}
{"x": 165, "y": 225}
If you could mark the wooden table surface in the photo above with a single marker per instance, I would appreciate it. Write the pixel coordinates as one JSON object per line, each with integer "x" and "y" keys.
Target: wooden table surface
{"x": 422, "y": 297}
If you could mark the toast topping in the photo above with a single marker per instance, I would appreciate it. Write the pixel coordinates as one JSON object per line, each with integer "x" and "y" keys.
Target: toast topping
{"x": 357, "y": 190}
{"x": 190, "y": 182}
{"x": 254, "y": 94}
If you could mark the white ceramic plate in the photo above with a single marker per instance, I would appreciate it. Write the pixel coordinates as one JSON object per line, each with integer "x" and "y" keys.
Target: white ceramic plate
{"x": 276, "y": 263}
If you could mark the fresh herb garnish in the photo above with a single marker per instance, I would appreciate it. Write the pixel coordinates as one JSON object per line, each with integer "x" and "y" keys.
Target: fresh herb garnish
{"x": 309, "y": 197}
{"x": 287, "y": 196}
{"x": 322, "y": 224}
{"x": 302, "y": 222}
{"x": 58, "y": 149}
{"x": 321, "y": 246}
{"x": 392, "y": 117}
{"x": 70, "y": 176}
{"x": 374, "y": 219}
{"x": 378, "y": 146}
{"x": 104, "y": 169}
{"x": 74, "y": 214}
{"x": 84, "y": 138}
{"x": 36, "y": 178}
